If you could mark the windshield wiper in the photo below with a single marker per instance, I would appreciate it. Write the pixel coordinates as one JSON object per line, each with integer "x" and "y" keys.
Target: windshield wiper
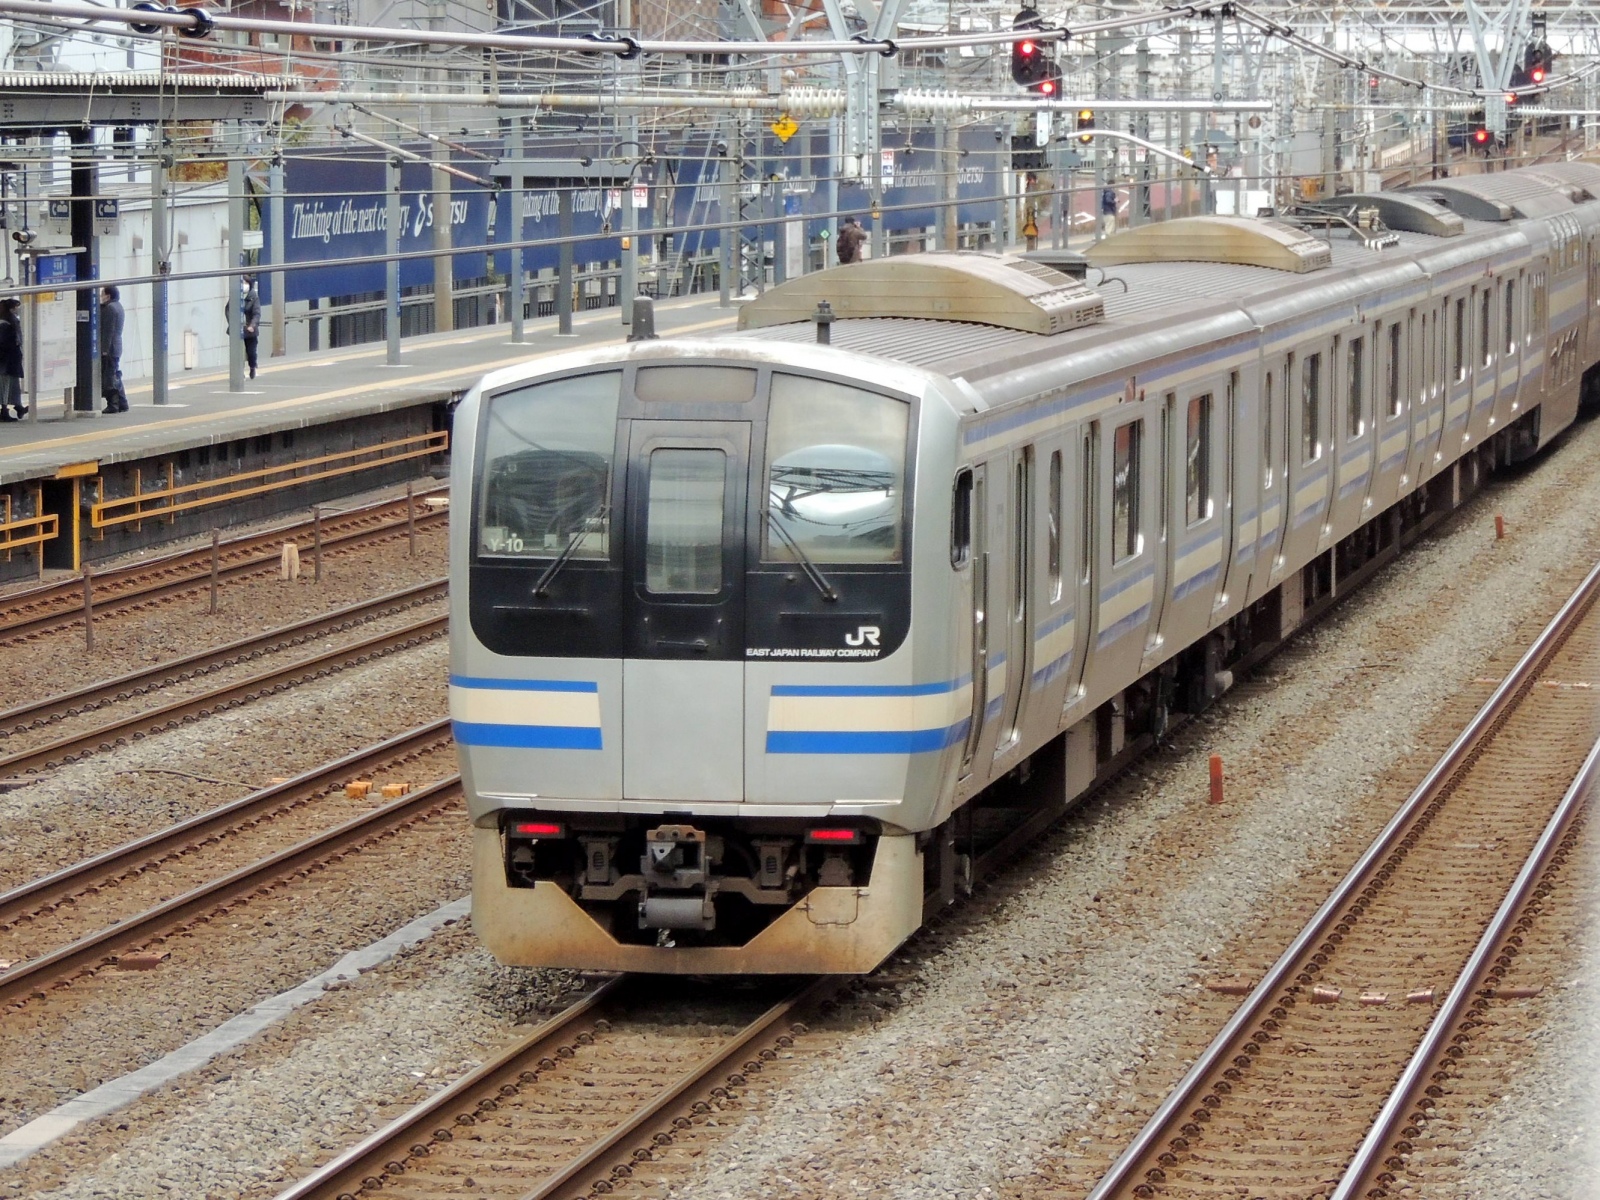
{"x": 810, "y": 568}
{"x": 601, "y": 513}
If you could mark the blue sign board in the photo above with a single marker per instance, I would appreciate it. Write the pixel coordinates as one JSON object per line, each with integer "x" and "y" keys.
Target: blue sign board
{"x": 56, "y": 268}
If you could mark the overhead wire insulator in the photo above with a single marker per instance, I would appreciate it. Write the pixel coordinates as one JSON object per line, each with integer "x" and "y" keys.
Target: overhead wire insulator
{"x": 924, "y": 102}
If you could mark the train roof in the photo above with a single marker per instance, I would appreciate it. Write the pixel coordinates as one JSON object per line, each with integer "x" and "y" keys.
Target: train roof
{"x": 1155, "y": 308}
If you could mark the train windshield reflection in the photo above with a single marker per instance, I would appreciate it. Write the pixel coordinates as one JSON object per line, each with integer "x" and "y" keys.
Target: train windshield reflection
{"x": 835, "y": 472}
{"x": 547, "y": 469}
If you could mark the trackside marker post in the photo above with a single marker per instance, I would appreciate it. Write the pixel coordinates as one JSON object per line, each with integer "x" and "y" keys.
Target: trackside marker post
{"x": 1216, "y": 779}
{"x": 88, "y": 607}
{"x": 1499, "y": 527}
{"x": 216, "y": 537}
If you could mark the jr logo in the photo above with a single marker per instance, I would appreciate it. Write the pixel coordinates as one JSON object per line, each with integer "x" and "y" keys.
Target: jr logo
{"x": 865, "y": 635}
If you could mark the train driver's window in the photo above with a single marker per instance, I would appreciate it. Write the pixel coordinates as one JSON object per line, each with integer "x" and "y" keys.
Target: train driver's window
{"x": 547, "y": 453}
{"x": 836, "y": 460}
{"x": 1311, "y": 408}
{"x": 961, "y": 520}
{"x": 1197, "y": 461}
{"x": 1125, "y": 537}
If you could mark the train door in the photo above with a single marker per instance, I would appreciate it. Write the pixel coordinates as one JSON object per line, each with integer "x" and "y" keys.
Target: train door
{"x": 1351, "y": 433}
{"x": 978, "y": 667}
{"x": 1308, "y": 452}
{"x": 1194, "y": 516}
{"x": 1083, "y": 456}
{"x": 1389, "y": 410}
{"x": 1169, "y": 463}
{"x": 1020, "y": 601}
{"x": 1509, "y": 403}
{"x": 1273, "y": 516}
{"x": 1484, "y": 359}
{"x": 683, "y": 622}
{"x": 1124, "y": 551}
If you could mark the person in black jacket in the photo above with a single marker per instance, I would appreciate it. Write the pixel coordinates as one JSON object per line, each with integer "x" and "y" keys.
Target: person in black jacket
{"x": 851, "y": 235}
{"x": 250, "y": 327}
{"x": 111, "y": 351}
{"x": 11, "y": 359}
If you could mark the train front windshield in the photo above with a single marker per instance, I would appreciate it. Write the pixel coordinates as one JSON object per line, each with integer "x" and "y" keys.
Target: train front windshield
{"x": 645, "y": 499}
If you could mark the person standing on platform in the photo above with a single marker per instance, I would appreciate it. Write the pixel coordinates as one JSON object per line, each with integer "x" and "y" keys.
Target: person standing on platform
{"x": 851, "y": 235}
{"x": 111, "y": 351}
{"x": 250, "y": 326}
{"x": 11, "y": 359}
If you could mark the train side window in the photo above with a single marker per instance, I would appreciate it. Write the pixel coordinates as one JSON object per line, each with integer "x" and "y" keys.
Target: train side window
{"x": 1086, "y": 508}
{"x": 1539, "y": 306}
{"x": 1511, "y": 316}
{"x": 1485, "y": 326}
{"x": 1393, "y": 365}
{"x": 1126, "y": 448}
{"x": 1022, "y": 513}
{"x": 1459, "y": 346}
{"x": 1197, "y": 461}
{"x": 1355, "y": 405}
{"x": 1426, "y": 365}
{"x": 1310, "y": 407}
{"x": 1267, "y": 405}
{"x": 1053, "y": 547}
{"x": 961, "y": 520}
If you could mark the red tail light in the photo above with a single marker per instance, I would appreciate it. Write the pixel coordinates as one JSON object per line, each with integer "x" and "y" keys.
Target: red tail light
{"x": 835, "y": 837}
{"x": 538, "y": 829}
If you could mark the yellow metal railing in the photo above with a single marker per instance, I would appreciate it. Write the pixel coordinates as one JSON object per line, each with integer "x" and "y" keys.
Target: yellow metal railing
{"x": 23, "y": 532}
{"x": 168, "y": 501}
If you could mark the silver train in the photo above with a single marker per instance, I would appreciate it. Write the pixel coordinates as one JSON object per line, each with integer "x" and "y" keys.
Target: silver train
{"x": 761, "y": 641}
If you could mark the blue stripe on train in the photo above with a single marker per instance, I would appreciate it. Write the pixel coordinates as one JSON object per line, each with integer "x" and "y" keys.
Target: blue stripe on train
{"x": 525, "y": 685}
{"x": 911, "y": 741}
{"x": 527, "y": 737}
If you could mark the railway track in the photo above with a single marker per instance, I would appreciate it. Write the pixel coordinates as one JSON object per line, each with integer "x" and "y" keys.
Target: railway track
{"x": 572, "y": 1109}
{"x": 53, "y": 709}
{"x": 87, "y": 890}
{"x": 102, "y": 947}
{"x": 124, "y": 730}
{"x": 1320, "y": 1081}
{"x": 40, "y": 610}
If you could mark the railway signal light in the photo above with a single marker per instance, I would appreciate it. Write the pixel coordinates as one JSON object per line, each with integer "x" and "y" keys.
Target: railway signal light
{"x": 1086, "y": 121}
{"x": 1049, "y": 86}
{"x": 1481, "y": 137}
{"x": 1027, "y": 54}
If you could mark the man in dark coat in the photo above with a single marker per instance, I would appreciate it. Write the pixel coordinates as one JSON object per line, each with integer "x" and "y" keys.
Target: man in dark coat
{"x": 111, "y": 351}
{"x": 11, "y": 359}
{"x": 250, "y": 327}
{"x": 851, "y": 235}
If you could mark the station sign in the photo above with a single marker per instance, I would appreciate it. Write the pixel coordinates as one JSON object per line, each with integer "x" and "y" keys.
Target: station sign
{"x": 107, "y": 214}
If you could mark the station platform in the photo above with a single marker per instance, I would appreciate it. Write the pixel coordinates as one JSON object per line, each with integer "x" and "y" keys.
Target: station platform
{"x": 306, "y": 430}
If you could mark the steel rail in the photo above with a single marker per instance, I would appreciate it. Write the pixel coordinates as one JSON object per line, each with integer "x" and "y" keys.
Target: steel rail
{"x": 1381, "y": 1150}
{"x": 121, "y": 589}
{"x": 1174, "y": 1111}
{"x": 95, "y": 950}
{"x": 170, "y": 716}
{"x": 368, "y": 1160}
{"x": 95, "y": 695}
{"x": 597, "y": 1169}
{"x": 74, "y": 879}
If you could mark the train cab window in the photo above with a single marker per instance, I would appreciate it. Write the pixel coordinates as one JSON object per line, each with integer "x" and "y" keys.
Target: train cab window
{"x": 1392, "y": 372}
{"x": 1197, "y": 461}
{"x": 836, "y": 460}
{"x": 961, "y": 520}
{"x": 1053, "y": 545}
{"x": 1486, "y": 326}
{"x": 1311, "y": 408}
{"x": 1356, "y": 402}
{"x": 695, "y": 385}
{"x": 1125, "y": 450}
{"x": 1511, "y": 316}
{"x": 1458, "y": 345}
{"x": 546, "y": 475}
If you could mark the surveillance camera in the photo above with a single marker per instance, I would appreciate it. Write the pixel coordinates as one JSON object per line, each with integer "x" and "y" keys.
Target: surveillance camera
{"x": 720, "y": 147}
{"x": 24, "y": 237}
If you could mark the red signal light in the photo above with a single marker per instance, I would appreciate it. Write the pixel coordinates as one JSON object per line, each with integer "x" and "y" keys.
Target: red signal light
{"x": 1480, "y": 136}
{"x": 1027, "y": 48}
{"x": 1047, "y": 88}
{"x": 1537, "y": 75}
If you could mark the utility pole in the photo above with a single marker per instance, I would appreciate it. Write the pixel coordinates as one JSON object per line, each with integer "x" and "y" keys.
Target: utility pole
{"x": 161, "y": 258}
{"x": 235, "y": 258}
{"x": 391, "y": 269}
{"x": 275, "y": 187}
